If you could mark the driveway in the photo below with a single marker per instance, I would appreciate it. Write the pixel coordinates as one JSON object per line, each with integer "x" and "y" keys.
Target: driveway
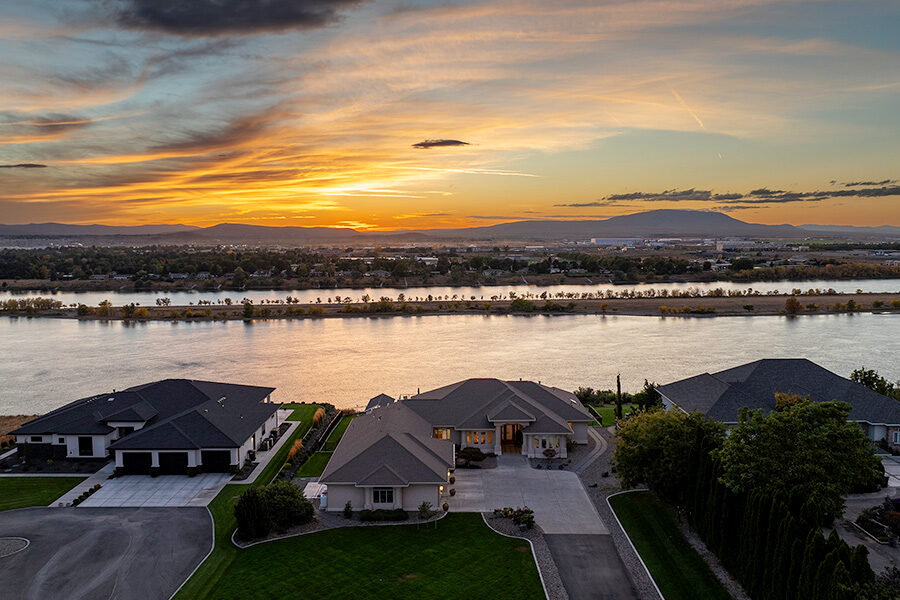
{"x": 590, "y": 567}
{"x": 892, "y": 469}
{"x": 165, "y": 490}
{"x": 557, "y": 498}
{"x": 109, "y": 553}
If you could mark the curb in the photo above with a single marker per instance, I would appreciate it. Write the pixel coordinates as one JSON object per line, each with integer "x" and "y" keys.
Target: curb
{"x": 627, "y": 537}
{"x": 15, "y": 537}
{"x": 530, "y": 545}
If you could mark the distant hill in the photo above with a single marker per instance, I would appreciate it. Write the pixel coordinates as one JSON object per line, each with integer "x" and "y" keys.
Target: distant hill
{"x": 94, "y": 230}
{"x": 661, "y": 223}
{"x": 888, "y": 230}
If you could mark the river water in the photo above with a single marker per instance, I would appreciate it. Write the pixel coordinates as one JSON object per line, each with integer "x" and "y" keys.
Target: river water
{"x": 467, "y": 293}
{"x": 45, "y": 363}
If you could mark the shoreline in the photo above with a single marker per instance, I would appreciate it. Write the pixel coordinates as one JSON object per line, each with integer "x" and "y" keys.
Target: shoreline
{"x": 701, "y": 306}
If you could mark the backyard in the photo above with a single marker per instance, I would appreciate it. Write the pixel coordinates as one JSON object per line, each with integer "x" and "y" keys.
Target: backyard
{"x": 19, "y": 492}
{"x": 608, "y": 413}
{"x": 338, "y": 432}
{"x": 351, "y": 562}
{"x": 679, "y": 571}
{"x": 315, "y": 464}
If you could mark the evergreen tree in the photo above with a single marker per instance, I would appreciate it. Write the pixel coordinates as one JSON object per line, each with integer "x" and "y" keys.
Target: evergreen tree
{"x": 860, "y": 571}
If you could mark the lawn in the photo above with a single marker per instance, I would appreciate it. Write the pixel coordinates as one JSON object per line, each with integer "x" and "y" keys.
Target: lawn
{"x": 460, "y": 558}
{"x": 678, "y": 570}
{"x": 608, "y": 413}
{"x": 315, "y": 464}
{"x": 19, "y": 492}
{"x": 303, "y": 413}
{"x": 337, "y": 433}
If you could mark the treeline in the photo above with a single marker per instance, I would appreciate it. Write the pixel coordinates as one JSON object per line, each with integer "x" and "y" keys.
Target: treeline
{"x": 773, "y": 544}
{"x": 830, "y": 271}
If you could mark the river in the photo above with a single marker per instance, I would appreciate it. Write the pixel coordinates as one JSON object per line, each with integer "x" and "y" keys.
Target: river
{"x": 45, "y": 363}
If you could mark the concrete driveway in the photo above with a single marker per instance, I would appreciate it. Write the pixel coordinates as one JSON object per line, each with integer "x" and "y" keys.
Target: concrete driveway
{"x": 109, "y": 553}
{"x": 165, "y": 490}
{"x": 557, "y": 498}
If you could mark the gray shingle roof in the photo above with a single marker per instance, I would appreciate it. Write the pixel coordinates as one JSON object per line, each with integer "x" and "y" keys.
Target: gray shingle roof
{"x": 390, "y": 446}
{"x": 379, "y": 401}
{"x": 180, "y": 414}
{"x": 721, "y": 395}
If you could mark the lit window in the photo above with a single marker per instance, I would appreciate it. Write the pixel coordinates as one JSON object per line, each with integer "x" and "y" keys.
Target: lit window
{"x": 468, "y": 437}
{"x": 490, "y": 437}
{"x": 442, "y": 433}
{"x": 483, "y": 437}
{"x": 537, "y": 443}
{"x": 383, "y": 495}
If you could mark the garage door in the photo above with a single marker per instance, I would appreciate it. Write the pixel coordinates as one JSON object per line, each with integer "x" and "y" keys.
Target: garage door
{"x": 173, "y": 463}
{"x": 136, "y": 463}
{"x": 216, "y": 461}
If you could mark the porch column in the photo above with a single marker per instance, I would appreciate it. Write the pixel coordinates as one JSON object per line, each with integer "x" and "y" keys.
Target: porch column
{"x": 398, "y": 497}
{"x": 154, "y": 459}
{"x": 368, "y": 498}
{"x": 498, "y": 445}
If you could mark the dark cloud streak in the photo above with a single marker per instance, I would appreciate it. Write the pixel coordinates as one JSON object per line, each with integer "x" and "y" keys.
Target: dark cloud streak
{"x": 24, "y": 166}
{"x": 426, "y": 144}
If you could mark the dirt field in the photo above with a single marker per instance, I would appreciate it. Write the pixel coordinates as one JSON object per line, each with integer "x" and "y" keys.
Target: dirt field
{"x": 10, "y": 422}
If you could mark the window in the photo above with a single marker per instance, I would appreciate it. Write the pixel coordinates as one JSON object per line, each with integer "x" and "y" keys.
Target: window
{"x": 62, "y": 440}
{"x": 490, "y": 437}
{"x": 543, "y": 442}
{"x": 383, "y": 495}
{"x": 36, "y": 439}
{"x": 483, "y": 437}
{"x": 897, "y": 437}
{"x": 468, "y": 437}
{"x": 441, "y": 433}
{"x": 85, "y": 446}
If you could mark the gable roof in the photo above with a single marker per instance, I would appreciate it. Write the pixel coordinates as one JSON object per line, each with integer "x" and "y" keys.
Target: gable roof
{"x": 179, "y": 413}
{"x": 478, "y": 403}
{"x": 721, "y": 395}
{"x": 391, "y": 446}
{"x": 379, "y": 401}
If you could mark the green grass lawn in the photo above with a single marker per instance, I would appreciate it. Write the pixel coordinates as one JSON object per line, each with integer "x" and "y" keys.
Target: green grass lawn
{"x": 678, "y": 570}
{"x": 608, "y": 413}
{"x": 338, "y": 432}
{"x": 461, "y": 558}
{"x": 315, "y": 464}
{"x": 303, "y": 413}
{"x": 19, "y": 492}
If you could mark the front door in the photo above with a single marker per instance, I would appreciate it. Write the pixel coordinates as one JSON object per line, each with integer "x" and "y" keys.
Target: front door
{"x": 85, "y": 446}
{"x": 511, "y": 438}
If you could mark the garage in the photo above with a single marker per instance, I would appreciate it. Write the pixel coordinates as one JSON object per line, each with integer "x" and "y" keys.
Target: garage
{"x": 216, "y": 461}
{"x": 136, "y": 463}
{"x": 173, "y": 463}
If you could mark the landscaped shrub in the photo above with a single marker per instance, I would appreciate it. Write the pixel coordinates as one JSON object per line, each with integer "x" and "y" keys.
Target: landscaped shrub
{"x": 426, "y": 511}
{"x": 381, "y": 514}
{"x": 287, "y": 505}
{"x": 296, "y": 448}
{"x": 470, "y": 454}
{"x": 348, "y": 510}
{"x": 523, "y": 517}
{"x": 253, "y": 516}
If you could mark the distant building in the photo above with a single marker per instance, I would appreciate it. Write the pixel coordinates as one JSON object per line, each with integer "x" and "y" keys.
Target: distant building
{"x": 617, "y": 241}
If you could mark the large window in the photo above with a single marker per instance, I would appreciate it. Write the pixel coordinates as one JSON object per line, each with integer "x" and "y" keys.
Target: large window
{"x": 383, "y": 495}
{"x": 85, "y": 446}
{"x": 36, "y": 439}
{"x": 442, "y": 433}
{"x": 897, "y": 437}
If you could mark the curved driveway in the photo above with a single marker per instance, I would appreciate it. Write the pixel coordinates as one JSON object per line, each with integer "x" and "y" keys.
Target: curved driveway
{"x": 108, "y": 553}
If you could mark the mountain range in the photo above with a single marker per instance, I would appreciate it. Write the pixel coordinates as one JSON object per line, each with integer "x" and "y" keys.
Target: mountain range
{"x": 653, "y": 223}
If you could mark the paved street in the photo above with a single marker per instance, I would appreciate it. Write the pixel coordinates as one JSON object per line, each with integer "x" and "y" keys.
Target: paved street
{"x": 590, "y": 567}
{"x": 109, "y": 553}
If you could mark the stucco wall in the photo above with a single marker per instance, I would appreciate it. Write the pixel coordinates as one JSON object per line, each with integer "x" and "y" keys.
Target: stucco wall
{"x": 581, "y": 433}
{"x": 339, "y": 494}
{"x": 414, "y": 495}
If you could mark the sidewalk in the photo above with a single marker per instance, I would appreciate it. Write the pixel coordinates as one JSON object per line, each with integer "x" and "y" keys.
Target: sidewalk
{"x": 99, "y": 477}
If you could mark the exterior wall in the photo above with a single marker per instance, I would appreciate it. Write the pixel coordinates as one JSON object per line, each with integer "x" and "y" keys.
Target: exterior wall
{"x": 581, "y": 433}
{"x": 136, "y": 424}
{"x": 339, "y": 494}
{"x": 415, "y": 494}
{"x": 893, "y": 433}
{"x": 877, "y": 432}
{"x": 487, "y": 447}
{"x": 534, "y": 445}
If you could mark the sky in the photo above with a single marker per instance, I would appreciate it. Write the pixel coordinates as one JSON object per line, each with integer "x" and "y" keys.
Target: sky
{"x": 414, "y": 114}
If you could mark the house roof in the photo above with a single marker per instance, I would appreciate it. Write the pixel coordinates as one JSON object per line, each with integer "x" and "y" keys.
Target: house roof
{"x": 391, "y": 446}
{"x": 479, "y": 403}
{"x": 379, "y": 401}
{"x": 179, "y": 413}
{"x": 721, "y": 395}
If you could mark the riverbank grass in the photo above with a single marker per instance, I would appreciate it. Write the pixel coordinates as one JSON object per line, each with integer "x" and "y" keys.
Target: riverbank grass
{"x": 679, "y": 571}
{"x": 351, "y": 562}
{"x": 20, "y": 492}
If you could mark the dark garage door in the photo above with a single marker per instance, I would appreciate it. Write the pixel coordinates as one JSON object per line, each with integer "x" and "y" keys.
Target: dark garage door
{"x": 173, "y": 463}
{"x": 216, "y": 461}
{"x": 136, "y": 463}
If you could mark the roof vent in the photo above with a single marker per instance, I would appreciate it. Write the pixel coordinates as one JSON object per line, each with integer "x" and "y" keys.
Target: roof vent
{"x": 221, "y": 400}
{"x": 110, "y": 399}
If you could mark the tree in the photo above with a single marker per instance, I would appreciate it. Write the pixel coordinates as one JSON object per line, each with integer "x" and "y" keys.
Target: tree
{"x": 784, "y": 401}
{"x": 792, "y": 306}
{"x": 618, "y": 396}
{"x": 248, "y": 310}
{"x": 648, "y": 397}
{"x": 252, "y": 514}
{"x": 470, "y": 454}
{"x": 875, "y": 382}
{"x": 807, "y": 448}
{"x": 657, "y": 449}
{"x": 240, "y": 278}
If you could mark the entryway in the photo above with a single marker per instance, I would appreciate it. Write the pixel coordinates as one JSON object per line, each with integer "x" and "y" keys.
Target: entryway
{"x": 511, "y": 438}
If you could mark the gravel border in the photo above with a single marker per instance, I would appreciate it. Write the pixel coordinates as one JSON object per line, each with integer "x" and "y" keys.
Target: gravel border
{"x": 598, "y": 489}
{"x": 553, "y": 585}
{"x": 725, "y": 578}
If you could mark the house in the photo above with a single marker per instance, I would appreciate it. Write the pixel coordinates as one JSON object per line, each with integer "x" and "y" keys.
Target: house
{"x": 379, "y": 401}
{"x": 388, "y": 458}
{"x": 400, "y": 453}
{"x": 174, "y": 426}
{"x": 721, "y": 395}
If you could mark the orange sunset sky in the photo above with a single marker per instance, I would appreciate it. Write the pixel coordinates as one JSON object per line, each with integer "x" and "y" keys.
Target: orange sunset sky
{"x": 393, "y": 115}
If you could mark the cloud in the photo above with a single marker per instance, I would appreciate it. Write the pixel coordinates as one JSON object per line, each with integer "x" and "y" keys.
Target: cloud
{"x": 23, "y": 166}
{"x": 221, "y": 17}
{"x": 869, "y": 183}
{"x": 426, "y": 144}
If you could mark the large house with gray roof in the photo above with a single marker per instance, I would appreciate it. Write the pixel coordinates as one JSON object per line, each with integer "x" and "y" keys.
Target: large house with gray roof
{"x": 721, "y": 395}
{"x": 174, "y": 426}
{"x": 399, "y": 454}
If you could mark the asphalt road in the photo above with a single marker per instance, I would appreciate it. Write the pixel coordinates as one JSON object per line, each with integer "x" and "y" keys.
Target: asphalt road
{"x": 109, "y": 553}
{"x": 590, "y": 567}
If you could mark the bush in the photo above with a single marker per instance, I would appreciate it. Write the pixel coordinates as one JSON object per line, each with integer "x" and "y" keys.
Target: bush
{"x": 469, "y": 454}
{"x": 287, "y": 505}
{"x": 296, "y": 449}
{"x": 426, "y": 511}
{"x": 521, "y": 305}
{"x": 519, "y": 516}
{"x": 381, "y": 514}
{"x": 348, "y": 510}
{"x": 253, "y": 514}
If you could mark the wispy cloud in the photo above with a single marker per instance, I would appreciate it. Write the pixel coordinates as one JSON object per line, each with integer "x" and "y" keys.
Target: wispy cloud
{"x": 23, "y": 166}
{"x": 426, "y": 144}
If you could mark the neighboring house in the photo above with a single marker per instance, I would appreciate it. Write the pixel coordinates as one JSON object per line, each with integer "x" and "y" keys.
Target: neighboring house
{"x": 379, "y": 401}
{"x": 754, "y": 385}
{"x": 388, "y": 459}
{"x": 174, "y": 426}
